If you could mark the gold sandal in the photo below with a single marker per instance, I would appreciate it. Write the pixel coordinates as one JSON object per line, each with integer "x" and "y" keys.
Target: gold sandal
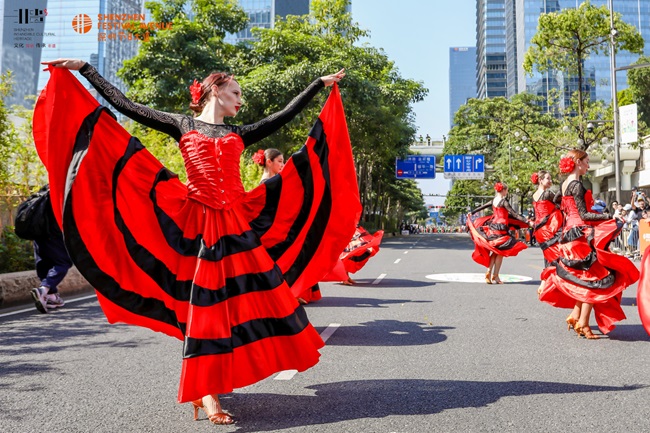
{"x": 212, "y": 408}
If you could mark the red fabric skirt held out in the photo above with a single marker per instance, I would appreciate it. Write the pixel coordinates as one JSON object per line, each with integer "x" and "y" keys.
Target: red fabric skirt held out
{"x": 490, "y": 238}
{"x": 217, "y": 279}
{"x": 588, "y": 272}
{"x": 643, "y": 290}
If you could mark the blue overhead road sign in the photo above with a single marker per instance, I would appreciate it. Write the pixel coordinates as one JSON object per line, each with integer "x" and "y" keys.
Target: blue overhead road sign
{"x": 464, "y": 166}
{"x": 479, "y": 166}
{"x": 449, "y": 164}
{"x": 416, "y": 167}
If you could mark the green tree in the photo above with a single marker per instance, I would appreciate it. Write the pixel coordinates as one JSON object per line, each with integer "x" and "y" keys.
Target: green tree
{"x": 377, "y": 99}
{"x": 515, "y": 136}
{"x": 639, "y": 87}
{"x": 566, "y": 39}
{"x": 159, "y": 75}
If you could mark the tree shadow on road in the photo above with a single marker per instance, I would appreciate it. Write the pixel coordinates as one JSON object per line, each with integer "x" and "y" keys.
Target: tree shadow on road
{"x": 341, "y": 301}
{"x": 352, "y": 400}
{"x": 388, "y": 333}
{"x": 391, "y": 282}
{"x": 29, "y": 341}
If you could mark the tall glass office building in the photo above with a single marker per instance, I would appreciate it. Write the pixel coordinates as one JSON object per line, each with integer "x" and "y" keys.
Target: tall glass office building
{"x": 491, "y": 80}
{"x": 262, "y": 13}
{"x": 462, "y": 78}
{"x": 37, "y": 30}
{"x": 525, "y": 14}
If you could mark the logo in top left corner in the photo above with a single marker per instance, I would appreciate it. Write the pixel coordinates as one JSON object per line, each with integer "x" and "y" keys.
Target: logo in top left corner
{"x": 30, "y": 16}
{"x": 82, "y": 23}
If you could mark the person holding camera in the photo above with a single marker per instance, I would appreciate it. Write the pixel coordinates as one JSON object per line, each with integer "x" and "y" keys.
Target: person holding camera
{"x": 638, "y": 203}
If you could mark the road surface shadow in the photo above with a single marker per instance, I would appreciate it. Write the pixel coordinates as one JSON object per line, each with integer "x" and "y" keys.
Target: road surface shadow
{"x": 26, "y": 336}
{"x": 340, "y": 301}
{"x": 390, "y": 282}
{"x": 351, "y": 400}
{"x": 388, "y": 333}
{"x": 625, "y": 332}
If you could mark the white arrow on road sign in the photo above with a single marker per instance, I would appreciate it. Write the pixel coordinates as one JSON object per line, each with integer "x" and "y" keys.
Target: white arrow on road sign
{"x": 477, "y": 163}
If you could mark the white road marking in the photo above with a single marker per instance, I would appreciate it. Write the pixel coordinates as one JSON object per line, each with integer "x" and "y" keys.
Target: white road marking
{"x": 379, "y": 278}
{"x": 286, "y": 375}
{"x": 397, "y": 261}
{"x": 325, "y": 335}
{"x": 406, "y": 252}
{"x": 25, "y": 310}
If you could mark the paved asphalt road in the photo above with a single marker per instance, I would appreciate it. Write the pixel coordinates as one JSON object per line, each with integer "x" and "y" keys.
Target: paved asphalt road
{"x": 409, "y": 354}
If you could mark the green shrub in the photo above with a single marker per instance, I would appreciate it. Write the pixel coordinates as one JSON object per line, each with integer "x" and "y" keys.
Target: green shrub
{"x": 15, "y": 254}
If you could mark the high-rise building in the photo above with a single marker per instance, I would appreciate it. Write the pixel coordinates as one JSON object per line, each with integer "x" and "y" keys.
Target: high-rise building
{"x": 262, "y": 13}
{"x": 491, "y": 79}
{"x": 522, "y": 26}
{"x": 89, "y": 30}
{"x": 462, "y": 78}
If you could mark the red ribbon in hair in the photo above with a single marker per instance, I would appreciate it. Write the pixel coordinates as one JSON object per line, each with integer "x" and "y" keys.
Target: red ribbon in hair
{"x": 498, "y": 187}
{"x": 567, "y": 164}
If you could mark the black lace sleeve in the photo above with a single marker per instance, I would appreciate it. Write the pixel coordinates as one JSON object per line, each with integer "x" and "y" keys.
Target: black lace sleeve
{"x": 164, "y": 122}
{"x": 547, "y": 195}
{"x": 480, "y": 208}
{"x": 512, "y": 212}
{"x": 257, "y": 131}
{"x": 558, "y": 197}
{"x": 577, "y": 190}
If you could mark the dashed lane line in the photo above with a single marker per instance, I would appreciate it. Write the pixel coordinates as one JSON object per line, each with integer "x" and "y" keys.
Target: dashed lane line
{"x": 325, "y": 335}
{"x": 379, "y": 278}
{"x": 397, "y": 261}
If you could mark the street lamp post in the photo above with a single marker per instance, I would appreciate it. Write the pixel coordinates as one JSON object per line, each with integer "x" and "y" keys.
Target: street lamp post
{"x": 612, "y": 64}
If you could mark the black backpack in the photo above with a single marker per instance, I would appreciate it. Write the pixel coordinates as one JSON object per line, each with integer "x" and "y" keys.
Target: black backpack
{"x": 34, "y": 218}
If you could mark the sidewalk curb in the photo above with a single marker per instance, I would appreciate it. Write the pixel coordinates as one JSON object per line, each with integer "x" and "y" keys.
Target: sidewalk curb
{"x": 15, "y": 286}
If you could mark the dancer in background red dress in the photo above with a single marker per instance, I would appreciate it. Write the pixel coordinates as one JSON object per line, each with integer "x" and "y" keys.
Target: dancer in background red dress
{"x": 361, "y": 248}
{"x": 204, "y": 262}
{"x": 548, "y": 219}
{"x": 491, "y": 234}
{"x": 643, "y": 290}
{"x": 586, "y": 275}
{"x": 272, "y": 161}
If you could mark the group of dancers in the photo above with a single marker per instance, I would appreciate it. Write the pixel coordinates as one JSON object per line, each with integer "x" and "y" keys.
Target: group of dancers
{"x": 222, "y": 269}
{"x": 580, "y": 272}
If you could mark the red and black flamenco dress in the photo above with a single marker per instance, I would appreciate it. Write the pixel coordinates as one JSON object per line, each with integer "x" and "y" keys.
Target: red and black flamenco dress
{"x": 643, "y": 289}
{"x": 586, "y": 270}
{"x": 361, "y": 248}
{"x": 204, "y": 262}
{"x": 491, "y": 233}
{"x": 548, "y": 226}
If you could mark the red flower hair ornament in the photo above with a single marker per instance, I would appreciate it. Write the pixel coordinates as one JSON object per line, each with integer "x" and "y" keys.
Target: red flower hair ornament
{"x": 258, "y": 157}
{"x": 534, "y": 178}
{"x": 498, "y": 187}
{"x": 567, "y": 164}
{"x": 195, "y": 91}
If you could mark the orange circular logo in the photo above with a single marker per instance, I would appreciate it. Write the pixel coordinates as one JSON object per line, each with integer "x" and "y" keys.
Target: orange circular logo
{"x": 82, "y": 23}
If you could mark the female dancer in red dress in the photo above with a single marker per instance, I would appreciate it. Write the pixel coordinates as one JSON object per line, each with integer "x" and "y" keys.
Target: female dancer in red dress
{"x": 548, "y": 219}
{"x": 204, "y": 262}
{"x": 491, "y": 234}
{"x": 586, "y": 275}
{"x": 271, "y": 160}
